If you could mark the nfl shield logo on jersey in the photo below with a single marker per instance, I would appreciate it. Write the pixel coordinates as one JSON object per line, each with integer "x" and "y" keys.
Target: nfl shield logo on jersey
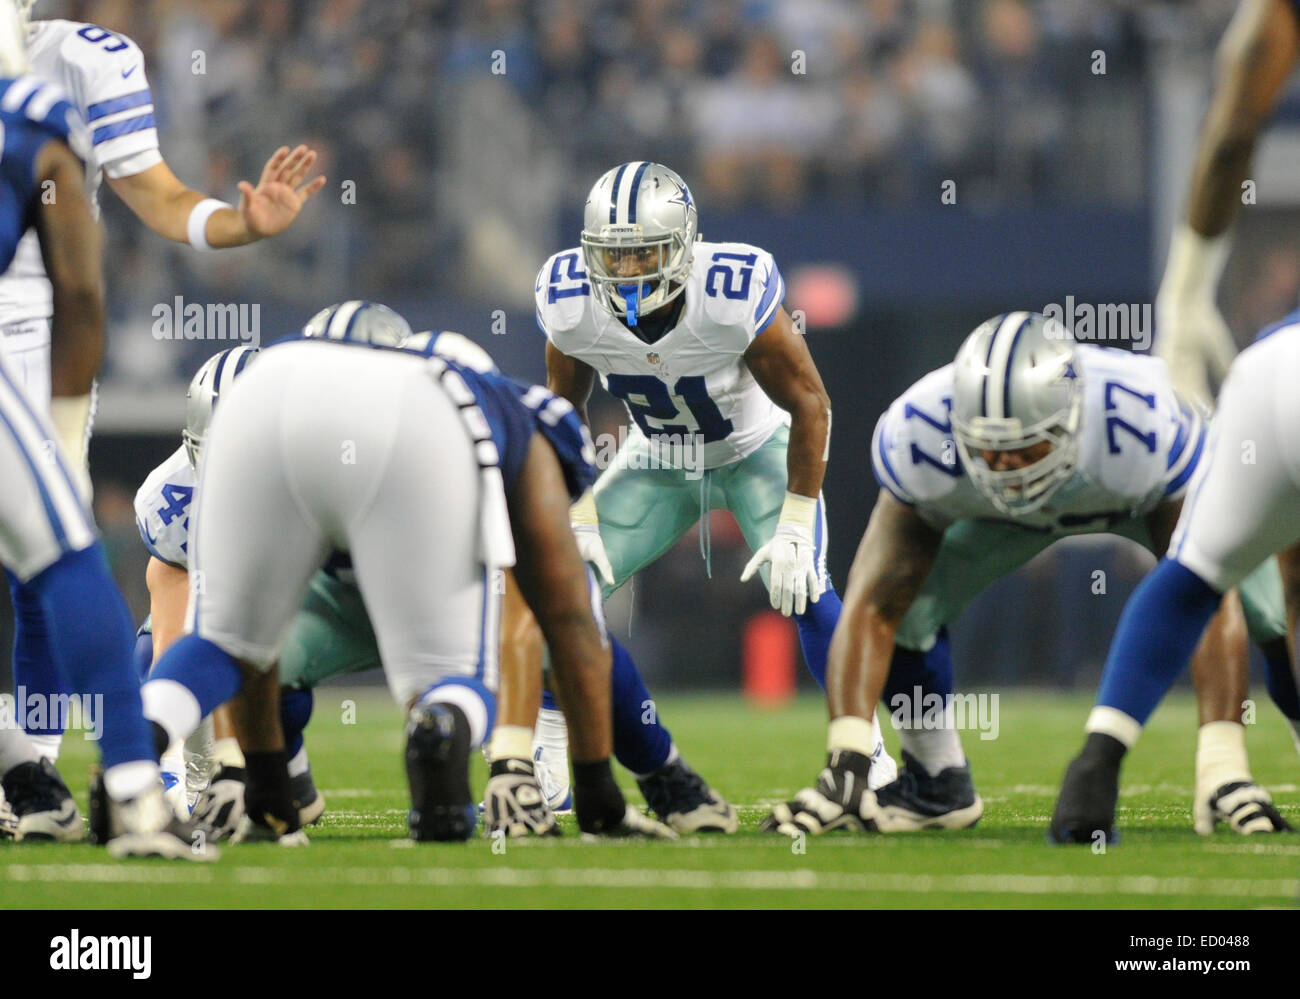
{"x": 652, "y": 357}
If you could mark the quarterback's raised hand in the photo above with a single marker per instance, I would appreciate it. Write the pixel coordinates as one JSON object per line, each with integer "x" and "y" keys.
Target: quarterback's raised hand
{"x": 1191, "y": 335}
{"x": 586, "y": 531}
{"x": 513, "y": 804}
{"x": 271, "y": 206}
{"x": 793, "y": 579}
{"x": 841, "y": 800}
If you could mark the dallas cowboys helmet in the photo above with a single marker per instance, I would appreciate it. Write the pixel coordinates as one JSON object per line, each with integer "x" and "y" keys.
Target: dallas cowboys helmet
{"x": 1017, "y": 384}
{"x": 639, "y": 228}
{"x": 209, "y": 384}
{"x": 359, "y": 322}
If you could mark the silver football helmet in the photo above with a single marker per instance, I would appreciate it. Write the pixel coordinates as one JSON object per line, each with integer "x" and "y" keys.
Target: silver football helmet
{"x": 209, "y": 384}
{"x": 1017, "y": 386}
{"x": 638, "y": 231}
{"x": 454, "y": 347}
{"x": 359, "y": 322}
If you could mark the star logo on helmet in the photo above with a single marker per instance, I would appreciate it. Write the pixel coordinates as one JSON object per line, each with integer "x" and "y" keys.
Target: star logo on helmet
{"x": 1069, "y": 372}
{"x": 682, "y": 197}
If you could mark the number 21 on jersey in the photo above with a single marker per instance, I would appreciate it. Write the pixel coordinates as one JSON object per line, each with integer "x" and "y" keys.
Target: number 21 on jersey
{"x": 688, "y": 409}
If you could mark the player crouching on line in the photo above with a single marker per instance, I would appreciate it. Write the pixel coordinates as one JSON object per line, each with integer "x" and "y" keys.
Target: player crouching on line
{"x": 450, "y": 462}
{"x": 1026, "y": 438}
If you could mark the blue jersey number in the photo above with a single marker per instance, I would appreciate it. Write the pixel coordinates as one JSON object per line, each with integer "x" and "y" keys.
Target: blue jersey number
{"x": 567, "y": 279}
{"x": 948, "y": 462}
{"x": 178, "y": 501}
{"x": 648, "y": 399}
{"x": 734, "y": 278}
{"x": 1117, "y": 423}
{"x": 94, "y": 34}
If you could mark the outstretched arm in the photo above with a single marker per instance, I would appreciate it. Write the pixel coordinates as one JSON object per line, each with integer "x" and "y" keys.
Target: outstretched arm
{"x": 166, "y": 205}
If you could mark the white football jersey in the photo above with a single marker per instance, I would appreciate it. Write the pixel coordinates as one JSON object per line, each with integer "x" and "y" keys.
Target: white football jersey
{"x": 103, "y": 75}
{"x": 693, "y": 380}
{"x": 162, "y": 510}
{"x": 1139, "y": 445}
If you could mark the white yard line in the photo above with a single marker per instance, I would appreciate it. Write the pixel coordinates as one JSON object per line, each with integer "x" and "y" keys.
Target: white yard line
{"x": 709, "y": 881}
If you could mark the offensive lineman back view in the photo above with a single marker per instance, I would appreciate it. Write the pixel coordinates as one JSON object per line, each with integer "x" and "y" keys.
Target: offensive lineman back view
{"x": 692, "y": 337}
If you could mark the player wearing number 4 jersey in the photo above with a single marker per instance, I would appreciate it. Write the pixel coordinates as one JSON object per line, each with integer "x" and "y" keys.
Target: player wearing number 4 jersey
{"x": 1026, "y": 438}
{"x": 693, "y": 338}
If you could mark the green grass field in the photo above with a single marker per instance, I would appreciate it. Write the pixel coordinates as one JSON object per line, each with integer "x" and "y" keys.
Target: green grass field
{"x": 360, "y": 857}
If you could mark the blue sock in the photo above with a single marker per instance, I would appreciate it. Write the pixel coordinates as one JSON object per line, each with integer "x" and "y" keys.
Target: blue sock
{"x": 1159, "y": 630}
{"x": 816, "y": 626}
{"x": 204, "y": 669}
{"x": 458, "y": 690}
{"x": 295, "y": 713}
{"x": 931, "y": 671}
{"x": 641, "y": 743}
{"x": 34, "y": 665}
{"x": 1280, "y": 679}
{"x": 143, "y": 654}
{"x": 90, "y": 638}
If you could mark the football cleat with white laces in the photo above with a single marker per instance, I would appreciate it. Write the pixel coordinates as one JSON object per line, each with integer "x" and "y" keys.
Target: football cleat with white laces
{"x": 144, "y": 826}
{"x": 42, "y": 804}
{"x": 917, "y": 800}
{"x": 684, "y": 802}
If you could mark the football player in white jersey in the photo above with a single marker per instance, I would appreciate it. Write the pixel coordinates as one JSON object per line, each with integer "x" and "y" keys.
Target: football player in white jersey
{"x": 103, "y": 72}
{"x": 693, "y": 338}
{"x": 1243, "y": 506}
{"x": 1026, "y": 438}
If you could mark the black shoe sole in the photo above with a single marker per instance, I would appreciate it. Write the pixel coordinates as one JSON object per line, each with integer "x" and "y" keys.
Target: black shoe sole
{"x": 437, "y": 770}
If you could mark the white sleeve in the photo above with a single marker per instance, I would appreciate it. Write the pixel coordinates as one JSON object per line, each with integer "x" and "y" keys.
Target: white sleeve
{"x": 117, "y": 104}
{"x": 913, "y": 452}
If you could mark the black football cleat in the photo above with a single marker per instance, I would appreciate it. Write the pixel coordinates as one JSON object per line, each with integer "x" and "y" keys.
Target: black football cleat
{"x": 1085, "y": 809}
{"x": 915, "y": 800}
{"x": 437, "y": 770}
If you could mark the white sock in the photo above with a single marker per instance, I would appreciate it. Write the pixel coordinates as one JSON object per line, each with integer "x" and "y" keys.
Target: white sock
{"x": 126, "y": 780}
{"x": 299, "y": 765}
{"x": 48, "y": 745}
{"x": 172, "y": 706}
{"x": 511, "y": 742}
{"x": 1295, "y": 732}
{"x": 1221, "y": 754}
{"x": 15, "y": 749}
{"x": 936, "y": 749}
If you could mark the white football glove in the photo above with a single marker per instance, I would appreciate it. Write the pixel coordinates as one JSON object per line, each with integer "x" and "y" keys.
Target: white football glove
{"x": 1191, "y": 335}
{"x": 586, "y": 531}
{"x": 635, "y": 825}
{"x": 841, "y": 800}
{"x": 220, "y": 805}
{"x": 793, "y": 578}
{"x": 513, "y": 803}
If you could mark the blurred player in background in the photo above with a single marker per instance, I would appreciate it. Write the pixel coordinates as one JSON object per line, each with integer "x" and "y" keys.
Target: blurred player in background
{"x": 1026, "y": 438}
{"x": 103, "y": 73}
{"x": 692, "y": 337}
{"x": 1256, "y": 58}
{"x": 1237, "y": 515}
